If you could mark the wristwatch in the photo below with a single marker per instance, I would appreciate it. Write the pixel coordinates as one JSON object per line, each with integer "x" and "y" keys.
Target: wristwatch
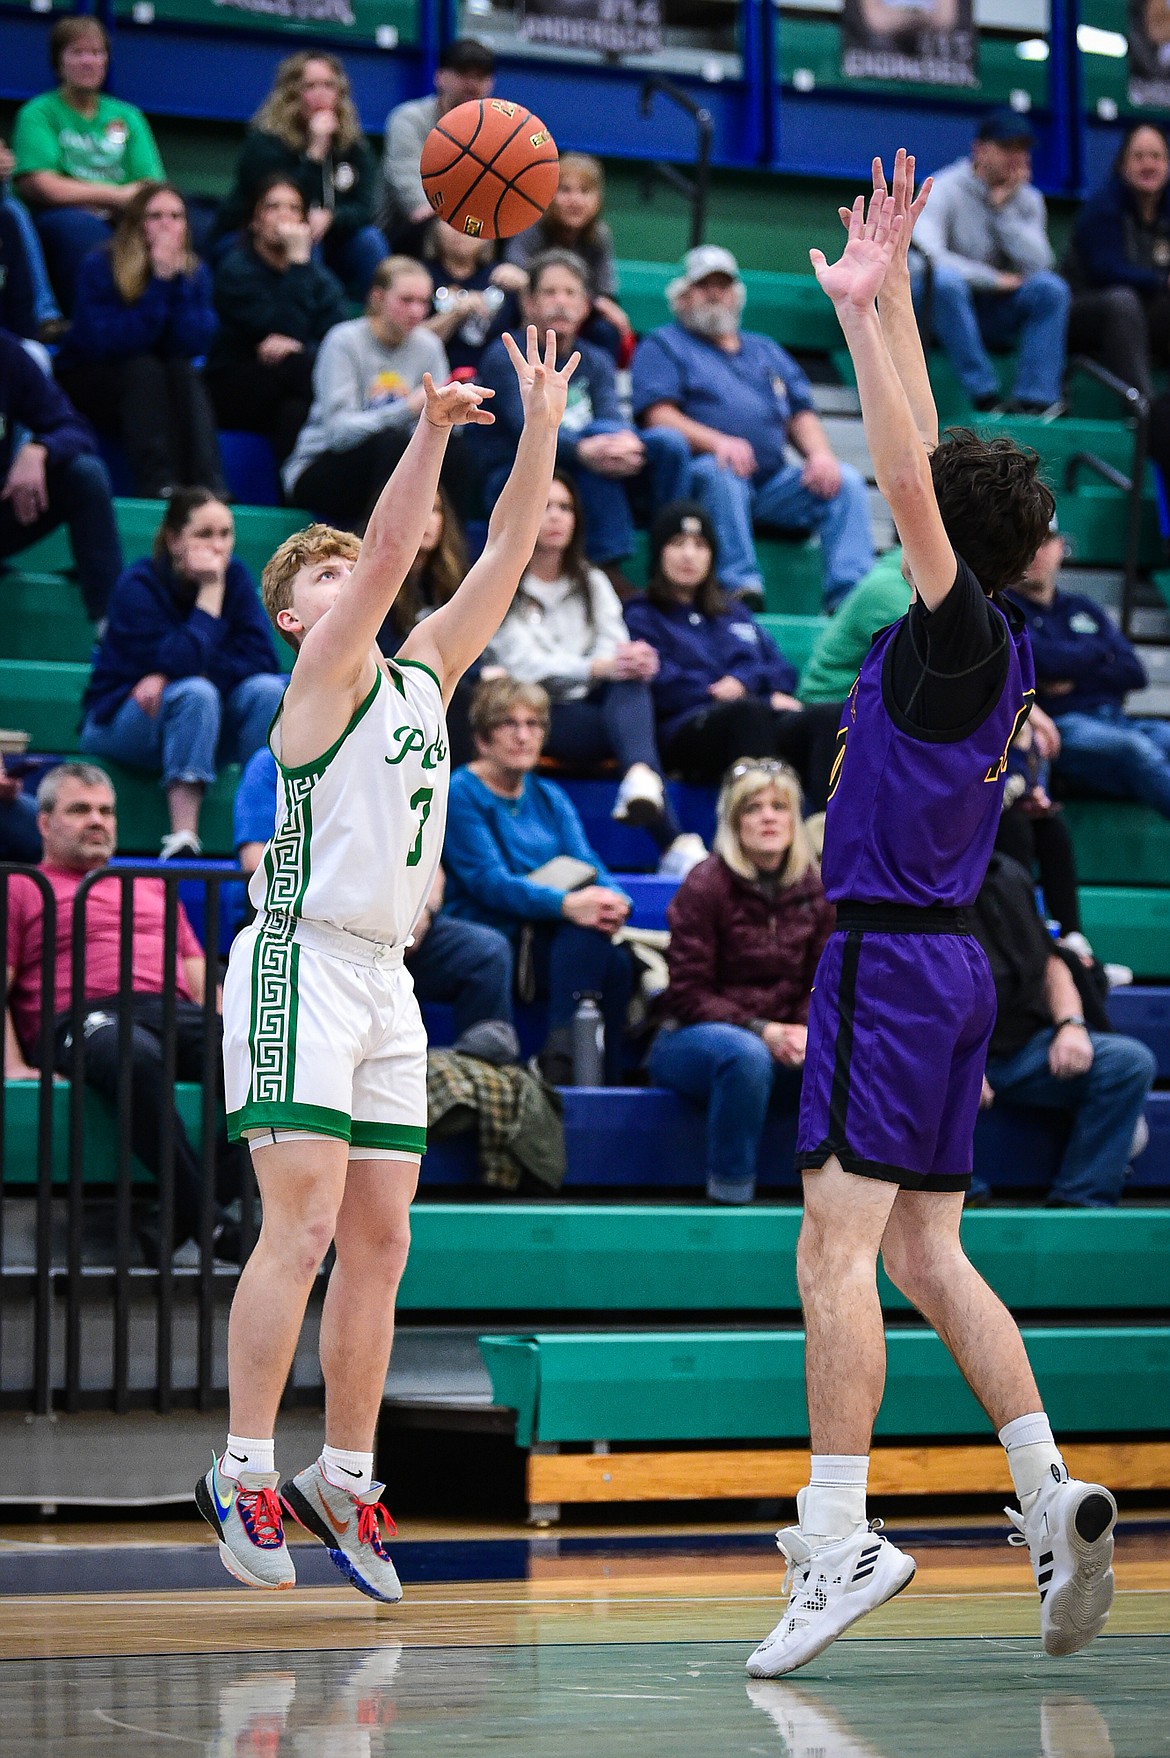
{"x": 1077, "y": 1019}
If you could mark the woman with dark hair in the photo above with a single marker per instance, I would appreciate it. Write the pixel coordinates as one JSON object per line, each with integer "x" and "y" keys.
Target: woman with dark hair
{"x": 275, "y": 307}
{"x": 308, "y": 131}
{"x": 722, "y": 688}
{"x": 185, "y": 677}
{"x": 1119, "y": 262}
{"x": 747, "y": 927}
{"x": 80, "y": 155}
{"x": 565, "y": 631}
{"x": 142, "y": 314}
{"x": 572, "y": 221}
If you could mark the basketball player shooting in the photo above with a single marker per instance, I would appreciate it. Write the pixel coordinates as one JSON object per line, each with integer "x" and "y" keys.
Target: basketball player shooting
{"x": 324, "y": 1048}
{"x": 903, "y": 1004}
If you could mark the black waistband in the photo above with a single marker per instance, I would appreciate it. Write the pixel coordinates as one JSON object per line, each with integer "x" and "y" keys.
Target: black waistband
{"x": 902, "y": 918}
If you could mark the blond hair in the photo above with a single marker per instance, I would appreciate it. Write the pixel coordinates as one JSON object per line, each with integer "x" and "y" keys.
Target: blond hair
{"x": 316, "y": 543}
{"x": 495, "y": 698}
{"x": 280, "y": 113}
{"x": 130, "y": 261}
{"x": 736, "y": 794}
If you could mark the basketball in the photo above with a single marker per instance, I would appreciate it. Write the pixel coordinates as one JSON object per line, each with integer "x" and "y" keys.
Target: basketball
{"x": 489, "y": 168}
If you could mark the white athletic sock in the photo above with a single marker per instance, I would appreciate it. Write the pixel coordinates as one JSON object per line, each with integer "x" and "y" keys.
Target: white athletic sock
{"x": 833, "y": 1505}
{"x": 243, "y": 1455}
{"x": 351, "y": 1471}
{"x": 1031, "y": 1452}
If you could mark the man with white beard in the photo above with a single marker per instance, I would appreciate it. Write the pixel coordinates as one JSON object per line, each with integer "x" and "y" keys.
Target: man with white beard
{"x": 744, "y": 406}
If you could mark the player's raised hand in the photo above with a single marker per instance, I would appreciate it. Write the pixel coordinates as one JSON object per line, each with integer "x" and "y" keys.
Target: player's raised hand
{"x": 906, "y": 202}
{"x": 544, "y": 387}
{"x": 456, "y": 405}
{"x": 856, "y": 278}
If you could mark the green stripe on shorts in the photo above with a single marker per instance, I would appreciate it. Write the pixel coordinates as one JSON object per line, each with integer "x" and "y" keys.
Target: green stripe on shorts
{"x": 403, "y": 1136}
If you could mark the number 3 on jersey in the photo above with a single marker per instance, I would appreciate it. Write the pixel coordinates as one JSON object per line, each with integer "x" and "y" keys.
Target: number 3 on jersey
{"x": 420, "y": 802}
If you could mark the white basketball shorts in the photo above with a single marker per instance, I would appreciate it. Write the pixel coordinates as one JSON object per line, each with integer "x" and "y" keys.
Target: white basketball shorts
{"x": 322, "y": 1034}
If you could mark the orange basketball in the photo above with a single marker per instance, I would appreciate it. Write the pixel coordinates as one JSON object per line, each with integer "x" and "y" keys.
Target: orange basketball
{"x": 490, "y": 168}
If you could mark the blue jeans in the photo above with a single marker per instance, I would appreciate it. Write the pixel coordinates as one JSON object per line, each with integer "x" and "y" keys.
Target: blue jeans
{"x": 466, "y": 964}
{"x": 1106, "y": 1104}
{"x": 841, "y": 523}
{"x": 67, "y": 235}
{"x": 80, "y": 497}
{"x": 194, "y": 730}
{"x": 354, "y": 257}
{"x": 570, "y": 961}
{"x": 614, "y": 720}
{"x": 732, "y": 1072}
{"x": 609, "y": 523}
{"x": 1113, "y": 754}
{"x": 967, "y": 322}
{"x": 35, "y": 276}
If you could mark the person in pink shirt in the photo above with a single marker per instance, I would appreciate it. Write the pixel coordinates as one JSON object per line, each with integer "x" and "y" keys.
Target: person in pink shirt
{"x": 77, "y": 819}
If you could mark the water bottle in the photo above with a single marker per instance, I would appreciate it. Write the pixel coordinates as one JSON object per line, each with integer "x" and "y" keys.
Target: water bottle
{"x": 588, "y": 1043}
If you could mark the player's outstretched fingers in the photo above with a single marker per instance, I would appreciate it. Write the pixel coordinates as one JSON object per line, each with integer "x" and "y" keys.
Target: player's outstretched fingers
{"x": 550, "y": 350}
{"x": 571, "y": 365}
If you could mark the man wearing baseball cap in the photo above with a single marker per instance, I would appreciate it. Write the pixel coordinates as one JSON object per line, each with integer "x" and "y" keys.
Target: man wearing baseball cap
{"x": 984, "y": 234}
{"x": 466, "y": 70}
{"x": 744, "y": 406}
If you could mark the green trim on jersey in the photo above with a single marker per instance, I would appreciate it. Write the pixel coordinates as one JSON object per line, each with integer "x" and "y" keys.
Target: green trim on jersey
{"x": 315, "y": 770}
{"x": 288, "y": 857}
{"x": 388, "y": 1135}
{"x": 273, "y": 1023}
{"x": 419, "y": 666}
{"x": 288, "y": 1114}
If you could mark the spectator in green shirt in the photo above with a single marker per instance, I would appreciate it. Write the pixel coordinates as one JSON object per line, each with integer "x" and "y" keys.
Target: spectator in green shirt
{"x": 80, "y": 155}
{"x": 880, "y": 597}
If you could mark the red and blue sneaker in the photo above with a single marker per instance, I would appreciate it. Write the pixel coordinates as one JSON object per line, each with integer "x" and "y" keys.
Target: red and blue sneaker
{"x": 244, "y": 1513}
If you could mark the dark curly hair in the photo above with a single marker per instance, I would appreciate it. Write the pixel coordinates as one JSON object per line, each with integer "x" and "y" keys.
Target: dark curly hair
{"x": 996, "y": 510}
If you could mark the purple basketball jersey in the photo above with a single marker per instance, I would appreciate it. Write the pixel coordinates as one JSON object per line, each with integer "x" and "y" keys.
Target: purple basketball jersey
{"x": 912, "y": 815}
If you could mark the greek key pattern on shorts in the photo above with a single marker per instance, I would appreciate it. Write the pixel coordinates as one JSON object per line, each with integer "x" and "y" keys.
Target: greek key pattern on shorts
{"x": 290, "y": 849}
{"x": 271, "y": 1018}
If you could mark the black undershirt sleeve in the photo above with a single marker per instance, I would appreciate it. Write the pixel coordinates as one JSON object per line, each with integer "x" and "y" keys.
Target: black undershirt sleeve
{"x": 947, "y": 666}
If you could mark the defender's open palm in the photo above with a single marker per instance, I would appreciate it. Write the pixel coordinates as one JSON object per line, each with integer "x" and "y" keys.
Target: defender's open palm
{"x": 856, "y": 279}
{"x": 544, "y": 388}
{"x": 456, "y": 405}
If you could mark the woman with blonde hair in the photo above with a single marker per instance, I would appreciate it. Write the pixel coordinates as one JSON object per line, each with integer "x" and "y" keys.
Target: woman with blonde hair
{"x": 747, "y": 927}
{"x": 308, "y": 130}
{"x": 142, "y": 316}
{"x": 572, "y": 221}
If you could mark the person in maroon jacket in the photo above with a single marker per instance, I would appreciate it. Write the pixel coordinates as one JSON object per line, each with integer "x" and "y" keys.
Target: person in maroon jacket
{"x": 747, "y": 927}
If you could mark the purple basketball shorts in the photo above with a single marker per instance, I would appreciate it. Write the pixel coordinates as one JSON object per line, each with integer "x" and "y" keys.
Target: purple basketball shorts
{"x": 897, "y": 1042}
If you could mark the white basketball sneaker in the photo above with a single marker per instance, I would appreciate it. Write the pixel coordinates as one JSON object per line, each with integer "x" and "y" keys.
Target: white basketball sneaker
{"x": 829, "y": 1588}
{"x": 1069, "y": 1534}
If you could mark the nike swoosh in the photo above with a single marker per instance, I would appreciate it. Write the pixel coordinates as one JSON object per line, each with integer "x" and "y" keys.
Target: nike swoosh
{"x": 348, "y": 1472}
{"x": 240, "y": 1458}
{"x": 340, "y": 1527}
{"x": 221, "y": 1508}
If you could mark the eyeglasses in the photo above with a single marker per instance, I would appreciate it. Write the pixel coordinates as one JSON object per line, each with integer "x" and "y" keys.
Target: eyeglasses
{"x": 762, "y": 766}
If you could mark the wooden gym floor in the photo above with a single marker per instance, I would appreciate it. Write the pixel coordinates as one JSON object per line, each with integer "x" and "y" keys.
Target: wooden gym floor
{"x": 570, "y": 1645}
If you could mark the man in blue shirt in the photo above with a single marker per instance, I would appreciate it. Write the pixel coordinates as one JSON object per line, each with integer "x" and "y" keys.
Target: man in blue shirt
{"x": 1085, "y": 667}
{"x": 596, "y": 446}
{"x": 740, "y": 402}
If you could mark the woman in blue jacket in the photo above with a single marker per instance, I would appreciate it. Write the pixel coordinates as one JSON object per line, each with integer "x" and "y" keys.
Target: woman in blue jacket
{"x": 1119, "y": 262}
{"x": 142, "y": 317}
{"x": 723, "y": 689}
{"x": 186, "y": 675}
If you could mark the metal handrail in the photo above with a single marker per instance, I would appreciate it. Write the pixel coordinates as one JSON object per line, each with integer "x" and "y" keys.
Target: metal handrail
{"x": 1137, "y": 408}
{"x": 694, "y": 189}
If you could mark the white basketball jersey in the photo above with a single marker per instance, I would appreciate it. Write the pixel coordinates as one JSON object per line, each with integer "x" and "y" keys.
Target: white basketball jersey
{"x": 359, "y": 832}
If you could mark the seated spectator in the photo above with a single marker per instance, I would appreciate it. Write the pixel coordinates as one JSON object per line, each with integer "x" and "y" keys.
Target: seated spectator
{"x": 572, "y": 221}
{"x": 740, "y": 402}
{"x": 1032, "y": 829}
{"x": 504, "y": 825}
{"x": 723, "y": 689}
{"x": 185, "y": 677}
{"x": 881, "y": 597}
{"x": 596, "y": 446}
{"x": 275, "y": 305}
{"x": 1119, "y": 263}
{"x": 437, "y": 573}
{"x": 984, "y": 236}
{"x": 308, "y": 131}
{"x": 142, "y": 315}
{"x": 76, "y": 817}
{"x": 565, "y": 631}
{"x": 53, "y": 477}
{"x": 20, "y": 840}
{"x": 466, "y": 70}
{"x": 474, "y": 299}
{"x": 465, "y": 965}
{"x": 1042, "y": 1054}
{"x": 1085, "y": 668}
{"x": 747, "y": 927}
{"x": 80, "y": 155}
{"x": 367, "y": 396}
{"x": 28, "y": 306}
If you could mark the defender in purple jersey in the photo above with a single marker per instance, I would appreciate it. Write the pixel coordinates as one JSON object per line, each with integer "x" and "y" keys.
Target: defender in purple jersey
{"x": 903, "y": 1003}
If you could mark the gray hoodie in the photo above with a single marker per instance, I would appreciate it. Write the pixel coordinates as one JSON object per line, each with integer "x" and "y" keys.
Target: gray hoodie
{"x": 960, "y": 229}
